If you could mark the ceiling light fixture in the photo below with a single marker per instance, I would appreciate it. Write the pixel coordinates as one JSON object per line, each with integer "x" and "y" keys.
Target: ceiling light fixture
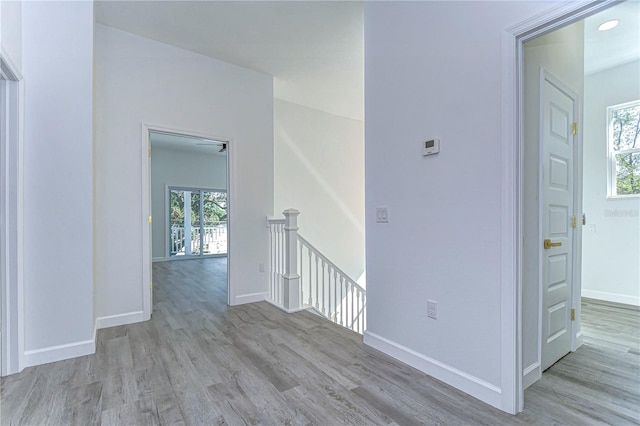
{"x": 223, "y": 146}
{"x": 606, "y": 26}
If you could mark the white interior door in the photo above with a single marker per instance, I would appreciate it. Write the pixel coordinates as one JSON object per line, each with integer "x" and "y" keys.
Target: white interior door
{"x": 558, "y": 217}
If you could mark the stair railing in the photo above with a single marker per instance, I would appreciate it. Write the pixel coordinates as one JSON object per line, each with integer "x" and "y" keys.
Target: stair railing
{"x": 329, "y": 290}
{"x": 310, "y": 280}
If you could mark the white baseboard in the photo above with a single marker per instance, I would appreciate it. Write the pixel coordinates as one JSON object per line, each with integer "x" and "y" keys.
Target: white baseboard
{"x": 159, "y": 259}
{"x": 73, "y": 350}
{"x": 579, "y": 340}
{"x": 59, "y": 353}
{"x": 531, "y": 374}
{"x": 121, "y": 319}
{"x": 611, "y": 297}
{"x": 289, "y": 311}
{"x": 249, "y": 298}
{"x": 293, "y": 311}
{"x": 478, "y": 388}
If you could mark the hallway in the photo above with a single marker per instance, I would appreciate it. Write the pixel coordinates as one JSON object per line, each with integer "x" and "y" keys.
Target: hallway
{"x": 200, "y": 362}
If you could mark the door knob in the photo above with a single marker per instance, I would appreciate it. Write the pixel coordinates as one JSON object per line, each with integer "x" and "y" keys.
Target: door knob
{"x": 548, "y": 244}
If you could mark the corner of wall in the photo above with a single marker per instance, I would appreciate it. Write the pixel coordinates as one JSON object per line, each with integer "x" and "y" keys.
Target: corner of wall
{"x": 531, "y": 374}
{"x": 249, "y": 298}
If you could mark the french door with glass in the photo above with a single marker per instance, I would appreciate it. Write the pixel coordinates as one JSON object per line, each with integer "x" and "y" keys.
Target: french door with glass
{"x": 197, "y": 222}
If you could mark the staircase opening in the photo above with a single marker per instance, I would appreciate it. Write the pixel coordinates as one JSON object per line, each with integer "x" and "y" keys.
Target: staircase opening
{"x": 302, "y": 277}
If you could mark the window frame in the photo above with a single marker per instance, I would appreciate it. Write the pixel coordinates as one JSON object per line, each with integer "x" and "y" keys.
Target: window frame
{"x": 612, "y": 176}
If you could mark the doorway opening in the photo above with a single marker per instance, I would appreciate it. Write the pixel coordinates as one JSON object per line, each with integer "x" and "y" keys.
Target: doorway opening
{"x": 188, "y": 209}
{"x": 543, "y": 269}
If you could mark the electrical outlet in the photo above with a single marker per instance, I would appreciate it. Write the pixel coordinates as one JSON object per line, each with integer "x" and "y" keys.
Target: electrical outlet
{"x": 261, "y": 267}
{"x": 432, "y": 309}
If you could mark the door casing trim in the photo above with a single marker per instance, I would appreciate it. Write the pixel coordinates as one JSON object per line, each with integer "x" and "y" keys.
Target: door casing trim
{"x": 511, "y": 240}
{"x": 12, "y": 274}
{"x": 147, "y": 261}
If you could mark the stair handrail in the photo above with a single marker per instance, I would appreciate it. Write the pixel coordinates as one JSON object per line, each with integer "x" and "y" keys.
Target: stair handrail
{"x": 329, "y": 262}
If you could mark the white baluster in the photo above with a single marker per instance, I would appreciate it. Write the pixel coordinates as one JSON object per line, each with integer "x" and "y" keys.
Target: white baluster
{"x": 281, "y": 263}
{"x": 317, "y": 283}
{"x": 271, "y": 262}
{"x": 364, "y": 316}
{"x": 335, "y": 295}
{"x": 301, "y": 301}
{"x": 341, "y": 300}
{"x": 329, "y": 292}
{"x": 277, "y": 260}
{"x": 324, "y": 303}
{"x": 352, "y": 317}
{"x": 310, "y": 302}
{"x": 358, "y": 313}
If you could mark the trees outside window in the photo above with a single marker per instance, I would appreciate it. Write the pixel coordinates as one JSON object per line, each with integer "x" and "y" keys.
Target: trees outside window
{"x": 198, "y": 222}
{"x": 624, "y": 149}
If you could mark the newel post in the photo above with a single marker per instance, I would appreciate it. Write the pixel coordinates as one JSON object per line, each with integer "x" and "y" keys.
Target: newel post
{"x": 291, "y": 277}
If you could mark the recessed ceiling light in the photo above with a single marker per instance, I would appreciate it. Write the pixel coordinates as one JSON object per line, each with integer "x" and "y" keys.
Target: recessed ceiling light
{"x": 605, "y": 26}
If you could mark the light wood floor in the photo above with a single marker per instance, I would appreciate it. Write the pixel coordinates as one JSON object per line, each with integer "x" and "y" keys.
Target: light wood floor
{"x": 200, "y": 362}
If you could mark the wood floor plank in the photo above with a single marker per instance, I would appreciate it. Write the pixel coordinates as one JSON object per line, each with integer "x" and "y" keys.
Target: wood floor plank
{"x": 140, "y": 412}
{"x": 234, "y": 403}
{"x": 168, "y": 408}
{"x": 45, "y": 401}
{"x": 199, "y": 361}
{"x": 83, "y": 405}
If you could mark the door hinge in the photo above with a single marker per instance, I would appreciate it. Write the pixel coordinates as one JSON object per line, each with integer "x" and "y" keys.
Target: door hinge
{"x": 574, "y": 129}
{"x": 149, "y": 219}
{"x": 150, "y": 284}
{"x": 584, "y": 219}
{"x": 573, "y": 314}
{"x": 149, "y": 152}
{"x": 574, "y": 221}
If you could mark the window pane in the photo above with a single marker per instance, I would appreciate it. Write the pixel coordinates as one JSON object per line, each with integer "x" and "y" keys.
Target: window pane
{"x": 195, "y": 222}
{"x": 628, "y": 173}
{"x": 177, "y": 237}
{"x": 625, "y": 128}
{"x": 215, "y": 222}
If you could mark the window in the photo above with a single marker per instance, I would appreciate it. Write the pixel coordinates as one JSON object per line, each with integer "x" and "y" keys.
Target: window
{"x": 197, "y": 222}
{"x": 623, "y": 123}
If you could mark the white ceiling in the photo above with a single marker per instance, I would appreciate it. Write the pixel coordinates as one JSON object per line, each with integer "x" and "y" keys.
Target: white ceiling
{"x": 185, "y": 143}
{"x": 606, "y": 49}
{"x": 314, "y": 50}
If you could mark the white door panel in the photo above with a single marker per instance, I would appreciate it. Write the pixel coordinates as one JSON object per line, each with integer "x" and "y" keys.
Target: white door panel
{"x": 557, "y": 118}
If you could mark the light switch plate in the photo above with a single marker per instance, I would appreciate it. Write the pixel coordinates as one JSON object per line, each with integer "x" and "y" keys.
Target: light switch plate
{"x": 432, "y": 309}
{"x": 382, "y": 215}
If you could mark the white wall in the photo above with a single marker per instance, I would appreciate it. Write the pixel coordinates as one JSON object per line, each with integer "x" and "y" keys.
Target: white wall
{"x": 137, "y": 81}
{"x": 611, "y": 239}
{"x": 561, "y": 53}
{"x": 11, "y": 31}
{"x": 319, "y": 170}
{"x": 57, "y": 55}
{"x": 185, "y": 169}
{"x": 433, "y": 69}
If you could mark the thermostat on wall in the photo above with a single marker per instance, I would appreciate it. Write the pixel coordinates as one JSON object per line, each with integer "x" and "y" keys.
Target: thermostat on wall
{"x": 431, "y": 147}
